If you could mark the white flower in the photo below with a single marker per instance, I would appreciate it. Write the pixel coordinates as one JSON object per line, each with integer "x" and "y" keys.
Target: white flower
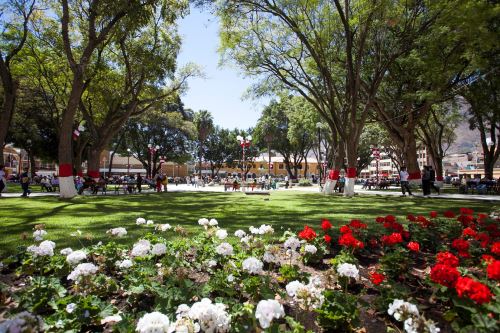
{"x": 309, "y": 248}
{"x": 182, "y": 311}
{"x": 84, "y": 269}
{"x": 411, "y": 325}
{"x": 159, "y": 249}
{"x": 252, "y": 265}
{"x": 221, "y": 234}
{"x": 348, "y": 270}
{"x": 184, "y": 325}
{"x": 230, "y": 278}
{"x": 204, "y": 222}
{"x": 141, "y": 248}
{"x": 211, "y": 263}
{"x": 46, "y": 248}
{"x": 213, "y": 222}
{"x": 39, "y": 234}
{"x": 265, "y": 229}
{"x": 117, "y": 232}
{"x": 163, "y": 227}
{"x": 211, "y": 317}
{"x": 254, "y": 230}
{"x": 245, "y": 240}
{"x": 431, "y": 327}
{"x": 76, "y": 257}
{"x": 127, "y": 263}
{"x": 293, "y": 287}
{"x": 267, "y": 310}
{"x": 149, "y": 222}
{"x": 224, "y": 249}
{"x": 66, "y": 251}
{"x": 240, "y": 233}
{"x": 154, "y": 322}
{"x": 22, "y": 322}
{"x": 140, "y": 220}
{"x": 269, "y": 257}
{"x": 402, "y": 310}
{"x": 111, "y": 319}
{"x": 70, "y": 307}
{"x": 292, "y": 243}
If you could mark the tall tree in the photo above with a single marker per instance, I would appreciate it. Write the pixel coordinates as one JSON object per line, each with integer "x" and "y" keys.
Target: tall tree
{"x": 15, "y": 16}
{"x": 204, "y": 123}
{"x": 219, "y": 149}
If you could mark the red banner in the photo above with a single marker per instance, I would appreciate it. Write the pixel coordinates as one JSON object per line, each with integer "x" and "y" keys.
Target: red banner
{"x": 93, "y": 174}
{"x": 414, "y": 175}
{"x": 334, "y": 174}
{"x": 351, "y": 173}
{"x": 65, "y": 170}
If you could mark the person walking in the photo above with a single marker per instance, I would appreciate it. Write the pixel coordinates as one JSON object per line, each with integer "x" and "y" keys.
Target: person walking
{"x": 426, "y": 181}
{"x": 3, "y": 182}
{"x": 139, "y": 182}
{"x": 25, "y": 183}
{"x": 405, "y": 185}
{"x": 432, "y": 179}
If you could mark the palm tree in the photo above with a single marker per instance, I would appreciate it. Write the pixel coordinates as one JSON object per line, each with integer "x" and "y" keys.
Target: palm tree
{"x": 204, "y": 123}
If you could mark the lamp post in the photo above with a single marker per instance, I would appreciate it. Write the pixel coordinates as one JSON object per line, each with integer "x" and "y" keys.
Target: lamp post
{"x": 244, "y": 143}
{"x": 319, "y": 125}
{"x": 376, "y": 156}
{"x": 268, "y": 139}
{"x": 152, "y": 151}
{"x": 128, "y": 161}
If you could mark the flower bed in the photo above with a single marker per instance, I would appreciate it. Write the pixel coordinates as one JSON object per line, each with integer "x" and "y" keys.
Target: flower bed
{"x": 428, "y": 274}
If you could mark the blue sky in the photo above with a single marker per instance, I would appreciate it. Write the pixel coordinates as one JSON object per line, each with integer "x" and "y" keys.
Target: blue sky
{"x": 221, "y": 92}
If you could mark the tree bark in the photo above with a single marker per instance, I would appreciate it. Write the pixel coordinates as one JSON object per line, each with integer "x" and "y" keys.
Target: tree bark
{"x": 9, "y": 101}
{"x": 93, "y": 162}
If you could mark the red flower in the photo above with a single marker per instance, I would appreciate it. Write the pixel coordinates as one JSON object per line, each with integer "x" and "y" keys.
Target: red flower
{"x": 466, "y": 220}
{"x": 461, "y": 245}
{"x": 444, "y": 275}
{"x": 493, "y": 270}
{"x": 475, "y": 290}
{"x": 348, "y": 240}
{"x": 469, "y": 232}
{"x": 413, "y": 246}
{"x": 487, "y": 258}
{"x": 449, "y": 214}
{"x": 373, "y": 243}
{"x": 392, "y": 239}
{"x": 327, "y": 238}
{"x": 495, "y": 248}
{"x": 447, "y": 258}
{"x": 308, "y": 233}
{"x": 377, "y": 278}
{"x": 423, "y": 221}
{"x": 390, "y": 218}
{"x": 345, "y": 229}
{"x": 411, "y": 218}
{"x": 434, "y": 214}
{"x": 482, "y": 216}
{"x": 483, "y": 239}
{"x": 325, "y": 224}
{"x": 398, "y": 227}
{"x": 466, "y": 211}
{"x": 357, "y": 224}
{"x": 406, "y": 234}
{"x": 380, "y": 219}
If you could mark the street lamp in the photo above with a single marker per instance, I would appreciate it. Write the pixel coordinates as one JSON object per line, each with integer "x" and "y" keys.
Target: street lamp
{"x": 376, "y": 156}
{"x": 128, "y": 161}
{"x": 319, "y": 125}
{"x": 244, "y": 143}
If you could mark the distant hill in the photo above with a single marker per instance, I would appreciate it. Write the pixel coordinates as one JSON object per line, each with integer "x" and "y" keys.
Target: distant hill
{"x": 466, "y": 141}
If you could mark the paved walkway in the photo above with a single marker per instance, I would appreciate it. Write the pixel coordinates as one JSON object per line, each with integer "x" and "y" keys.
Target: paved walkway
{"x": 311, "y": 189}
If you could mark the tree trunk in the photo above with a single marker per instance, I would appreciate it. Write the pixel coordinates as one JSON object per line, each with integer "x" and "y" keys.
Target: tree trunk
{"x": 9, "y": 102}
{"x": 32, "y": 164}
{"x": 352, "y": 162}
{"x": 110, "y": 167}
{"x": 337, "y": 164}
{"x": 66, "y": 182}
{"x": 305, "y": 167}
{"x": 93, "y": 162}
{"x": 200, "y": 154}
{"x": 410, "y": 155}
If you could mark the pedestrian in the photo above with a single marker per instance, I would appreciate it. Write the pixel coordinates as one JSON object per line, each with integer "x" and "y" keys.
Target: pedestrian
{"x": 432, "y": 179}
{"x": 426, "y": 181}
{"x": 25, "y": 183}
{"x": 158, "y": 182}
{"x": 139, "y": 182}
{"x": 405, "y": 185}
{"x": 3, "y": 182}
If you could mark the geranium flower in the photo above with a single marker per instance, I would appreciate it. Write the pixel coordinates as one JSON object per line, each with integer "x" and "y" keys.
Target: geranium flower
{"x": 390, "y": 218}
{"x": 401, "y": 310}
{"x": 449, "y": 214}
{"x": 76, "y": 257}
{"x": 487, "y": 258}
{"x": 377, "y": 278}
{"x": 348, "y": 270}
{"x": 433, "y": 214}
{"x": 466, "y": 211}
{"x": 462, "y": 246}
{"x": 475, "y": 290}
{"x": 307, "y": 233}
{"x": 211, "y": 317}
{"x": 392, "y": 239}
{"x": 267, "y": 310}
{"x": 153, "y": 322}
{"x": 411, "y": 218}
{"x": 326, "y": 225}
{"x": 84, "y": 269}
{"x": 221, "y": 234}
{"x": 357, "y": 224}
{"x": 348, "y": 240}
{"x": 447, "y": 258}
{"x": 327, "y": 238}
{"x": 345, "y": 229}
{"x": 495, "y": 248}
{"x": 117, "y": 232}
{"x": 159, "y": 249}
{"x": 224, "y": 249}
{"x": 292, "y": 243}
{"x": 379, "y": 219}
{"x": 140, "y": 220}
{"x": 309, "y": 248}
{"x": 252, "y": 265}
{"x": 444, "y": 275}
{"x": 413, "y": 246}
{"x": 469, "y": 232}
{"x": 240, "y": 233}
{"x": 493, "y": 270}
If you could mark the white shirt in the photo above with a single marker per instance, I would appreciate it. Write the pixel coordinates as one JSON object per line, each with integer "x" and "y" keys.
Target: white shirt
{"x": 404, "y": 176}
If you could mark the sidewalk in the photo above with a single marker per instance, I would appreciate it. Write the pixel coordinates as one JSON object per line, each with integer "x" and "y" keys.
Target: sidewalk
{"x": 309, "y": 189}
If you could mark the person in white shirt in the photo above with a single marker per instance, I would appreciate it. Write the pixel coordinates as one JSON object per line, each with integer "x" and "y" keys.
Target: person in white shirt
{"x": 403, "y": 177}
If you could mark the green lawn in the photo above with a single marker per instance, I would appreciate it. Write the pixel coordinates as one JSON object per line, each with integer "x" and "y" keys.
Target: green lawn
{"x": 94, "y": 215}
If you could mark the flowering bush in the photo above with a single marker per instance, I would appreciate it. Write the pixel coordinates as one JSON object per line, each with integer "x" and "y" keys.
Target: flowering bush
{"x": 320, "y": 278}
